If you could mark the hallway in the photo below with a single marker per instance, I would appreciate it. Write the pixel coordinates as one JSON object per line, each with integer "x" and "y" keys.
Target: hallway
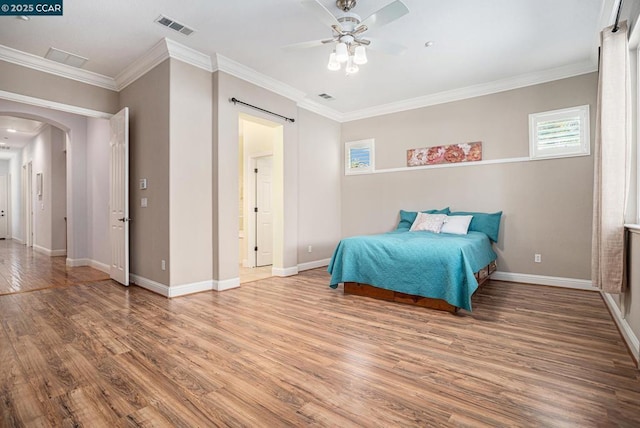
{"x": 23, "y": 270}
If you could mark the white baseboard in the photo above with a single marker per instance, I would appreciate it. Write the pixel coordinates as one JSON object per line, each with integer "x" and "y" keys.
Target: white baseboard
{"x": 184, "y": 289}
{"x": 149, "y": 284}
{"x": 553, "y": 281}
{"x": 58, "y": 253}
{"x": 313, "y": 265}
{"x": 226, "y": 284}
{"x": 100, "y": 266}
{"x": 633, "y": 342}
{"x": 18, "y": 240}
{"x": 190, "y": 288}
{"x": 42, "y": 250}
{"x": 284, "y": 271}
{"x": 78, "y": 262}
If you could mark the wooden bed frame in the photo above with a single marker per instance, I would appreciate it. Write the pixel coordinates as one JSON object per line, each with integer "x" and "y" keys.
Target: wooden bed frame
{"x": 482, "y": 276}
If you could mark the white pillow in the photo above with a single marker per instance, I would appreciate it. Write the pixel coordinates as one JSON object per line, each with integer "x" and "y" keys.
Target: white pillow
{"x": 456, "y": 224}
{"x": 430, "y": 222}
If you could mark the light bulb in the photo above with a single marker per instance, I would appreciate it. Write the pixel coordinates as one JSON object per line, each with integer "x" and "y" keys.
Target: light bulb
{"x": 351, "y": 67}
{"x": 333, "y": 65}
{"x": 360, "y": 55}
{"x": 342, "y": 53}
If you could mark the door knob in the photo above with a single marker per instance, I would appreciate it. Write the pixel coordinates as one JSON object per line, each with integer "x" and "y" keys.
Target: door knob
{"x": 123, "y": 219}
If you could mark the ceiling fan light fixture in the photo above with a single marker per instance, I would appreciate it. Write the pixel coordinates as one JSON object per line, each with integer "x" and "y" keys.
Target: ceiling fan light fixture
{"x": 334, "y": 64}
{"x": 342, "y": 52}
{"x": 351, "y": 67}
{"x": 360, "y": 55}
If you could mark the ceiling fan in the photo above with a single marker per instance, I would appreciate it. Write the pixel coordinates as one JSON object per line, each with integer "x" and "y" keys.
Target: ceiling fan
{"x": 348, "y": 30}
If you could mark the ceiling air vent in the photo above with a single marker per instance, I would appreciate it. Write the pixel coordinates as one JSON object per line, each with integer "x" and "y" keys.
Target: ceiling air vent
{"x": 63, "y": 57}
{"x": 174, "y": 25}
{"x": 325, "y": 96}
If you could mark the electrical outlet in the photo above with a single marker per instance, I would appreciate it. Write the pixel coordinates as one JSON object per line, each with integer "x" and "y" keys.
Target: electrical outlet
{"x": 163, "y": 264}
{"x": 143, "y": 202}
{"x": 537, "y": 258}
{"x": 310, "y": 249}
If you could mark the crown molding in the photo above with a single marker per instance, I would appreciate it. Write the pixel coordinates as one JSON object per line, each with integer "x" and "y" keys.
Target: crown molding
{"x": 320, "y": 109}
{"x": 45, "y": 65}
{"x": 474, "y": 91}
{"x": 143, "y": 65}
{"x": 165, "y": 48}
{"x": 250, "y": 75}
{"x": 190, "y": 56}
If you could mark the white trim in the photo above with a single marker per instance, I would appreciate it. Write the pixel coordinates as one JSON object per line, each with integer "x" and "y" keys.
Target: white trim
{"x": 284, "y": 271}
{"x": 18, "y": 240}
{"x": 250, "y": 75}
{"x": 633, "y": 228}
{"x": 48, "y": 252}
{"x": 481, "y": 89}
{"x": 190, "y": 56}
{"x": 77, "y": 262}
{"x": 149, "y": 284}
{"x": 45, "y": 65}
{"x": 142, "y": 65}
{"x": 553, "y": 281}
{"x": 39, "y": 102}
{"x": 313, "y": 265}
{"x": 165, "y": 48}
{"x": 103, "y": 267}
{"x": 226, "y": 284}
{"x": 625, "y": 329}
{"x": 194, "y": 287}
{"x": 320, "y": 109}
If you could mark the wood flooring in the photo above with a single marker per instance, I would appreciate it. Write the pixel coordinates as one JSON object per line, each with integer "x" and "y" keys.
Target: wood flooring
{"x": 293, "y": 352}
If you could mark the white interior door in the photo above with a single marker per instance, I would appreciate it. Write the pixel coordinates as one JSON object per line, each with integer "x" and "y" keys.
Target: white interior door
{"x": 119, "y": 197}
{"x": 4, "y": 207}
{"x": 264, "y": 214}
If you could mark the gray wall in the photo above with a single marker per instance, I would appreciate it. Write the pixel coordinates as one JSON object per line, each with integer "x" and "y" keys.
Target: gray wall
{"x": 190, "y": 188}
{"x": 319, "y": 186}
{"x": 38, "y": 84}
{"x": 98, "y": 153}
{"x": 547, "y": 204}
{"x": 148, "y": 102}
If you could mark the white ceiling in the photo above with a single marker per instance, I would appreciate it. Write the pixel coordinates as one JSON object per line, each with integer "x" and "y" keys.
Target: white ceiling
{"x": 476, "y": 42}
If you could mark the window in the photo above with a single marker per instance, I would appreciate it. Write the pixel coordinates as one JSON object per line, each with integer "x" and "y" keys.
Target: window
{"x": 559, "y": 133}
{"x": 359, "y": 157}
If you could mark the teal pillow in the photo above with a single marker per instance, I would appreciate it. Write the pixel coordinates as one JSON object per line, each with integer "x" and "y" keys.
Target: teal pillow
{"x": 489, "y": 224}
{"x": 408, "y": 217}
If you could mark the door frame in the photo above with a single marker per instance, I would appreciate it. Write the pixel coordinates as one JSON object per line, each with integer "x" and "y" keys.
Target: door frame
{"x": 28, "y": 225}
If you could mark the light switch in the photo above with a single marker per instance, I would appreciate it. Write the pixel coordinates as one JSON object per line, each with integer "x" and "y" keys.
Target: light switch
{"x": 143, "y": 202}
{"x": 143, "y": 183}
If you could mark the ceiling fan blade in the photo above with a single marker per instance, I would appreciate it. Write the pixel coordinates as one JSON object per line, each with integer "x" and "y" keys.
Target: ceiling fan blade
{"x": 321, "y": 12}
{"x": 306, "y": 45}
{"x": 387, "y": 14}
{"x": 386, "y": 47}
{"x": 360, "y": 29}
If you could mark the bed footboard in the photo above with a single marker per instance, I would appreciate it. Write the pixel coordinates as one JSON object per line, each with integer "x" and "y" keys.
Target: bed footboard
{"x": 482, "y": 276}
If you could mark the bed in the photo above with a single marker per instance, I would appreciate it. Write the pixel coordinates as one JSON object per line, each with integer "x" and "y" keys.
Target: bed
{"x": 436, "y": 270}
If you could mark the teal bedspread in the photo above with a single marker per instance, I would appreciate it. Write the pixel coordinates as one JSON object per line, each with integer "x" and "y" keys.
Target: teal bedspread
{"x": 439, "y": 266}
